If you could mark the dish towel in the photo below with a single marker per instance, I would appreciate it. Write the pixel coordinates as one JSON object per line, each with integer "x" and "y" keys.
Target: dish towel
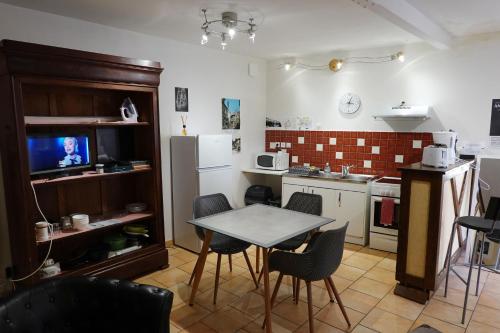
{"x": 387, "y": 211}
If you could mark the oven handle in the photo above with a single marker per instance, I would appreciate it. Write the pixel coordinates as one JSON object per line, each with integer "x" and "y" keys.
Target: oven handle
{"x": 379, "y": 199}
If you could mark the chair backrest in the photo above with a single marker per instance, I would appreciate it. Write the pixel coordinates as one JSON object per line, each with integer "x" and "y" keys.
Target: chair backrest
{"x": 87, "y": 304}
{"x": 207, "y": 205}
{"x": 493, "y": 209}
{"x": 305, "y": 203}
{"x": 326, "y": 250}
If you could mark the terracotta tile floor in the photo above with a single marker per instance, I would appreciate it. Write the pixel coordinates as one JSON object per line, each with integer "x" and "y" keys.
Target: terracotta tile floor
{"x": 365, "y": 280}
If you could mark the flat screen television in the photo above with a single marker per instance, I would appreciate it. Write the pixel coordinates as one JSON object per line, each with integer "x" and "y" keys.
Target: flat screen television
{"x": 56, "y": 153}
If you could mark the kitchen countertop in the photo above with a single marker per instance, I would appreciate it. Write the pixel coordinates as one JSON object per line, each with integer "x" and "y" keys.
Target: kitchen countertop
{"x": 337, "y": 177}
{"x": 450, "y": 171}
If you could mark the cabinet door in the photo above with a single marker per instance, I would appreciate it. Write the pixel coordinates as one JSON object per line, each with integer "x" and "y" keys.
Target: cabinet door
{"x": 353, "y": 209}
{"x": 330, "y": 205}
{"x": 288, "y": 190}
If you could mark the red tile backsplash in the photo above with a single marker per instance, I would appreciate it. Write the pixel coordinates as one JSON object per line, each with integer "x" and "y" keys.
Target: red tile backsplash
{"x": 391, "y": 145}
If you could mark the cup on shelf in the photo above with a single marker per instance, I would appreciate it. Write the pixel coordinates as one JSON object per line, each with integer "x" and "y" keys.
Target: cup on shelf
{"x": 42, "y": 231}
{"x": 66, "y": 224}
{"x": 80, "y": 221}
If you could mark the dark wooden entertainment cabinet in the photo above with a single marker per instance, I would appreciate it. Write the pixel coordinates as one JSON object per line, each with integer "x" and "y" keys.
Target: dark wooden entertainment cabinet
{"x": 46, "y": 89}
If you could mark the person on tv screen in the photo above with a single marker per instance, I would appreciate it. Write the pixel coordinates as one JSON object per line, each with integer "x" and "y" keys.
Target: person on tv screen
{"x": 71, "y": 149}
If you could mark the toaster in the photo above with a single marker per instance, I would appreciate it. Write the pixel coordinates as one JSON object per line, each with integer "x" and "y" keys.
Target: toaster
{"x": 435, "y": 156}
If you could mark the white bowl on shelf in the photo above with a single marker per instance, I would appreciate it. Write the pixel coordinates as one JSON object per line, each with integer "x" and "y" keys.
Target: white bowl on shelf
{"x": 80, "y": 221}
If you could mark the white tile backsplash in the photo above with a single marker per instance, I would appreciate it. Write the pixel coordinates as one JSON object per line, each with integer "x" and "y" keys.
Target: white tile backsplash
{"x": 367, "y": 164}
{"x": 399, "y": 158}
{"x": 333, "y": 141}
{"x": 375, "y": 150}
{"x": 289, "y": 145}
{"x": 283, "y": 145}
{"x": 295, "y": 159}
{"x": 417, "y": 144}
{"x": 319, "y": 147}
{"x": 300, "y": 140}
{"x": 338, "y": 155}
{"x": 272, "y": 145}
{"x": 361, "y": 142}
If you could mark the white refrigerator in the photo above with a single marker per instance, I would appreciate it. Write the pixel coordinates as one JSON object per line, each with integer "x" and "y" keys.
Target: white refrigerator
{"x": 200, "y": 165}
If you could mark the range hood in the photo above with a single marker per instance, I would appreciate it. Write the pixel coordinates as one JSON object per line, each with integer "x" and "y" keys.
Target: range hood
{"x": 403, "y": 111}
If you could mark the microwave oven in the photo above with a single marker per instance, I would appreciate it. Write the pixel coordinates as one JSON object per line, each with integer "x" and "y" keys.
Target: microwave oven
{"x": 272, "y": 161}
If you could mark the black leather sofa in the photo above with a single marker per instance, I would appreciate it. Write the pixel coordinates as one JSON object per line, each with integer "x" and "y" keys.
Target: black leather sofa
{"x": 87, "y": 304}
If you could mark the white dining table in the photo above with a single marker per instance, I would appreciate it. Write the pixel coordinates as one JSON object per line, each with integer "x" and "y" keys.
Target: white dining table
{"x": 260, "y": 225}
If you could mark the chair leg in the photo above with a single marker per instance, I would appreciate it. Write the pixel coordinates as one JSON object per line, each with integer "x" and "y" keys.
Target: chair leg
{"x": 309, "y": 306}
{"x": 250, "y": 268}
{"x": 297, "y": 291}
{"x": 468, "y": 280}
{"x": 230, "y": 263}
{"x": 257, "y": 259}
{"x": 192, "y": 274}
{"x": 275, "y": 293}
{"x": 294, "y": 289}
{"x": 330, "y": 292}
{"x": 339, "y": 301}
{"x": 480, "y": 265}
{"x": 217, "y": 275}
{"x": 448, "y": 258}
{"x": 498, "y": 259}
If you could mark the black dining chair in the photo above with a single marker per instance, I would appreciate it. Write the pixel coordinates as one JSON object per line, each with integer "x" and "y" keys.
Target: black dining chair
{"x": 221, "y": 244}
{"x": 485, "y": 225}
{"x": 319, "y": 261}
{"x": 305, "y": 203}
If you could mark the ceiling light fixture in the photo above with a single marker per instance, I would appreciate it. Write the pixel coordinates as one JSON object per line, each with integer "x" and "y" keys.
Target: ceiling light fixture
{"x": 227, "y": 25}
{"x": 336, "y": 64}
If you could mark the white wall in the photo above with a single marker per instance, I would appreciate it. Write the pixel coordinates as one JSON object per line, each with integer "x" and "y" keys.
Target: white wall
{"x": 209, "y": 75}
{"x": 458, "y": 83}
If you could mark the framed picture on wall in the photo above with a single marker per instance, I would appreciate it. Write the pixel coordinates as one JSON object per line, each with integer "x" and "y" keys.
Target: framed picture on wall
{"x": 181, "y": 99}
{"x": 230, "y": 113}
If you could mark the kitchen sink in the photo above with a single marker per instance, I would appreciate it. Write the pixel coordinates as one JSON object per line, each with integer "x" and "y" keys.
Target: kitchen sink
{"x": 354, "y": 178}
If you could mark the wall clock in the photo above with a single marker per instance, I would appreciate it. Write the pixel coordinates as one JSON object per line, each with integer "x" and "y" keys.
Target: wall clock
{"x": 349, "y": 103}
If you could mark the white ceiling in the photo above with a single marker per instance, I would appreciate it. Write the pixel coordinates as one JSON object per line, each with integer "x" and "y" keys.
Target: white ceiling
{"x": 462, "y": 17}
{"x": 289, "y": 28}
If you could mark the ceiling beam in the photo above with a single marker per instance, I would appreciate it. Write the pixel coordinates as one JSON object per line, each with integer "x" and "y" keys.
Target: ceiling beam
{"x": 410, "y": 19}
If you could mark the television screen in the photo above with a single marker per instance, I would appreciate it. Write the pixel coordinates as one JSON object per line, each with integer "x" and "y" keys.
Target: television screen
{"x": 114, "y": 145}
{"x": 56, "y": 153}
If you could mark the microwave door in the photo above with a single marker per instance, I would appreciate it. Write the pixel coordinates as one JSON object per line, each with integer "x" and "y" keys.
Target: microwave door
{"x": 265, "y": 161}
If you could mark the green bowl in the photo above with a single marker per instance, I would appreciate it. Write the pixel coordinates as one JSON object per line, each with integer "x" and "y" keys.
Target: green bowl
{"x": 116, "y": 242}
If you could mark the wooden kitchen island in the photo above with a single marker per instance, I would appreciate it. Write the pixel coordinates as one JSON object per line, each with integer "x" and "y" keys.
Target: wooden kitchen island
{"x": 431, "y": 199}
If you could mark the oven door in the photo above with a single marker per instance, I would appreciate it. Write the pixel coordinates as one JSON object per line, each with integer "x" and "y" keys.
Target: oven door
{"x": 375, "y": 225}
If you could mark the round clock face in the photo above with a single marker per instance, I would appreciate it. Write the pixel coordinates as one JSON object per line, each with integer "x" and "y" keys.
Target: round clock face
{"x": 349, "y": 103}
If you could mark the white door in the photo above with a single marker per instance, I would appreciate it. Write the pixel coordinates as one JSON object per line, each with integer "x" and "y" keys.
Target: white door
{"x": 330, "y": 205}
{"x": 288, "y": 190}
{"x": 214, "y": 151}
{"x": 353, "y": 210}
{"x": 216, "y": 180}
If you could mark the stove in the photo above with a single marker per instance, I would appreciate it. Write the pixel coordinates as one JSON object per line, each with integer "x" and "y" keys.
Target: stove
{"x": 384, "y": 236}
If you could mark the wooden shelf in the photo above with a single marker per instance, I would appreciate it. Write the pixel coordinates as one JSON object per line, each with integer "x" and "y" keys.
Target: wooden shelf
{"x": 123, "y": 217}
{"x": 92, "y": 267}
{"x": 38, "y": 121}
{"x": 86, "y": 175}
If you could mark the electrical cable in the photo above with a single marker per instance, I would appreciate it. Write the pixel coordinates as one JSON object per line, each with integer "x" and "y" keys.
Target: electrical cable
{"x": 51, "y": 233}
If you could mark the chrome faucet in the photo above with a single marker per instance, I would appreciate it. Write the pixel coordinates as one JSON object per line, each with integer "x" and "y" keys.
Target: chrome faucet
{"x": 345, "y": 170}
